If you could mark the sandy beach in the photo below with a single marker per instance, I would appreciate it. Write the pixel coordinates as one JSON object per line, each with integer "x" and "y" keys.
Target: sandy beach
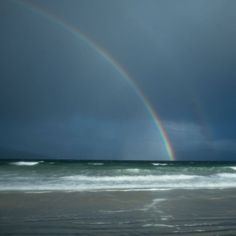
{"x": 174, "y": 212}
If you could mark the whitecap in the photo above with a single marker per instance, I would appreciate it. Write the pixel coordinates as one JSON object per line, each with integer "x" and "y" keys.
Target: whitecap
{"x": 96, "y": 164}
{"x": 159, "y": 225}
{"x": 134, "y": 170}
{"x": 38, "y": 182}
{"x": 26, "y": 163}
{"x": 128, "y": 178}
{"x": 227, "y": 175}
{"x": 159, "y": 164}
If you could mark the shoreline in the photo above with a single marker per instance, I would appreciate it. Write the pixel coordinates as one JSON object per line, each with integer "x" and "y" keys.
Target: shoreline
{"x": 188, "y": 212}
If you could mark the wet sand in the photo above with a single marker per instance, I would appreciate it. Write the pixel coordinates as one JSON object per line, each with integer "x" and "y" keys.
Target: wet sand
{"x": 174, "y": 212}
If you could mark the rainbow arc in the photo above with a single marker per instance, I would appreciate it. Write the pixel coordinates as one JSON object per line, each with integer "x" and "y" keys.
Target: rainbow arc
{"x": 76, "y": 32}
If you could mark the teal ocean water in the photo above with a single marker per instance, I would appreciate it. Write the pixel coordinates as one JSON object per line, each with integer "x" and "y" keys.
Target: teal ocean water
{"x": 115, "y": 176}
{"x": 117, "y": 198}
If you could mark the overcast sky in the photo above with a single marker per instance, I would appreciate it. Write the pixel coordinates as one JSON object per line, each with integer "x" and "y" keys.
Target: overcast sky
{"x": 60, "y": 98}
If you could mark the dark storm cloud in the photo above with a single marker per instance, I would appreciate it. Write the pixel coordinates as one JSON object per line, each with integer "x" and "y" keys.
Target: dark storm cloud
{"x": 51, "y": 72}
{"x": 84, "y": 138}
{"x": 181, "y": 54}
{"x": 176, "y": 51}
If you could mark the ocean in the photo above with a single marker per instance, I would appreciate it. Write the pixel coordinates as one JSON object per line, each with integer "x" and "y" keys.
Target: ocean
{"x": 117, "y": 198}
{"x": 115, "y": 176}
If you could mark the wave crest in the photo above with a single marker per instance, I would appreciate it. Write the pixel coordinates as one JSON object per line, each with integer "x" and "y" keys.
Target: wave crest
{"x": 26, "y": 163}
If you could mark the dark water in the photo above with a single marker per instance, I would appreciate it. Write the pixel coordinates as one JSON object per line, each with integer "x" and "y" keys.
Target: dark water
{"x": 108, "y": 198}
{"x": 174, "y": 212}
{"x": 108, "y": 176}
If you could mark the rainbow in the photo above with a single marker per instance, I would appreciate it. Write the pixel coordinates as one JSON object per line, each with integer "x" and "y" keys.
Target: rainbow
{"x": 107, "y": 57}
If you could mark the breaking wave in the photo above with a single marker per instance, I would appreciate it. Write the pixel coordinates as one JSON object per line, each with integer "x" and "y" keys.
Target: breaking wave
{"x": 102, "y": 176}
{"x": 159, "y": 164}
{"x": 120, "y": 183}
{"x": 96, "y": 164}
{"x": 26, "y": 163}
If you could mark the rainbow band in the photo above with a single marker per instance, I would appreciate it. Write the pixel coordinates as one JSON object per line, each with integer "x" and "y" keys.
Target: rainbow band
{"x": 103, "y": 53}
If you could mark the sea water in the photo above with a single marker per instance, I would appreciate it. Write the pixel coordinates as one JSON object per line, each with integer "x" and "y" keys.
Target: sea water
{"x": 115, "y": 176}
{"x": 117, "y": 198}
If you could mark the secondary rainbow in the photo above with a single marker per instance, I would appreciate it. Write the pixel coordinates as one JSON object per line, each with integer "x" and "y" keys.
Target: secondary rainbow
{"x": 106, "y": 56}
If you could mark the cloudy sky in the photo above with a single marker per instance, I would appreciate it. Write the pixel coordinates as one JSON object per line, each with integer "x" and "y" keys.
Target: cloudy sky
{"x": 83, "y": 78}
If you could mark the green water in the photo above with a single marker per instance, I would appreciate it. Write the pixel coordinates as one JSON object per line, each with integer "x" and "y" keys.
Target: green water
{"x": 123, "y": 176}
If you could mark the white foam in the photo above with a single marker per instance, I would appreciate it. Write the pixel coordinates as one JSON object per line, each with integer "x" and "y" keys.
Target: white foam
{"x": 26, "y": 163}
{"x": 37, "y": 192}
{"x": 159, "y": 164}
{"x": 133, "y": 170}
{"x": 233, "y": 167}
{"x": 227, "y": 175}
{"x": 39, "y": 182}
{"x": 96, "y": 164}
{"x": 153, "y": 204}
{"x": 128, "y": 178}
{"x": 159, "y": 225}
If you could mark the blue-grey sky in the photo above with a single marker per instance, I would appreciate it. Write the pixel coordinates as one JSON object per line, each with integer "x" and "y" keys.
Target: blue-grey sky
{"x": 60, "y": 98}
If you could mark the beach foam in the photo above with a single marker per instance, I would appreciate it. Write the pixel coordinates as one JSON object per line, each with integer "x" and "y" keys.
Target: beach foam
{"x": 26, "y": 163}
{"x": 96, "y": 164}
{"x": 159, "y": 164}
{"x": 112, "y": 177}
{"x": 120, "y": 183}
